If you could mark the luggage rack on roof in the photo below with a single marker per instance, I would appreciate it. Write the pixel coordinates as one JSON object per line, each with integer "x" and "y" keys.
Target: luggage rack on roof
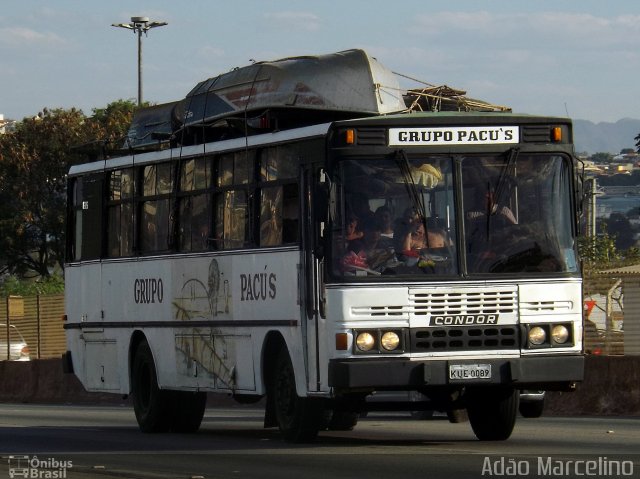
{"x": 445, "y": 98}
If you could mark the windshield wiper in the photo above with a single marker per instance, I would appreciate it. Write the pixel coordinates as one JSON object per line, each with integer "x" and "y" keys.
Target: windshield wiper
{"x": 417, "y": 200}
{"x": 494, "y": 201}
{"x": 505, "y": 173}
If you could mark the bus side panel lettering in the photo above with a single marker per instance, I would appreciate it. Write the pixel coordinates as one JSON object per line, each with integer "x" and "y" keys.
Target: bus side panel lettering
{"x": 257, "y": 287}
{"x": 148, "y": 290}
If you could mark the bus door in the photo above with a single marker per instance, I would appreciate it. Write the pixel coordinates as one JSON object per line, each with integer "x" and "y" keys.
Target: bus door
{"x": 84, "y": 291}
{"x": 88, "y": 204}
{"x": 312, "y": 274}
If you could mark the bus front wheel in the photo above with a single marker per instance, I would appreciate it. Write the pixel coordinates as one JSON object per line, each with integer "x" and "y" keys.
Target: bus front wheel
{"x": 299, "y": 419}
{"x": 492, "y": 412}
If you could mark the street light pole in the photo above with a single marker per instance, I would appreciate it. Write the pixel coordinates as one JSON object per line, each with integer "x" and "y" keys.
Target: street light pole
{"x": 139, "y": 25}
{"x": 139, "y": 30}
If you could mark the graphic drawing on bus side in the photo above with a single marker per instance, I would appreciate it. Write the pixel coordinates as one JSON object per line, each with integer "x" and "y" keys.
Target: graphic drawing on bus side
{"x": 203, "y": 348}
{"x": 204, "y": 301}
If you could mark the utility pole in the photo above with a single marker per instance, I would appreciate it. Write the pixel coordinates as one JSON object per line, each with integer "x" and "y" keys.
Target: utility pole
{"x": 140, "y": 25}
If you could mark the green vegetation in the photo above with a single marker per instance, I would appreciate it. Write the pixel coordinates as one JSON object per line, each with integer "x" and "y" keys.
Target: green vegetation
{"x": 600, "y": 253}
{"x": 13, "y": 286}
{"x": 34, "y": 160}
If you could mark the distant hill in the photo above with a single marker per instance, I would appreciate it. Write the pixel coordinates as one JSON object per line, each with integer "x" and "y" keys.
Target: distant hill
{"x": 605, "y": 137}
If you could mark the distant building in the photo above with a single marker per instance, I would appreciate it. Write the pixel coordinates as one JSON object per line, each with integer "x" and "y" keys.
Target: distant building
{"x": 5, "y": 125}
{"x": 632, "y": 157}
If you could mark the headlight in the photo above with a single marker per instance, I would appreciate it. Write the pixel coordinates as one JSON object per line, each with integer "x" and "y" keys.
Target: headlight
{"x": 537, "y": 335}
{"x": 390, "y": 340}
{"x": 560, "y": 334}
{"x": 365, "y": 341}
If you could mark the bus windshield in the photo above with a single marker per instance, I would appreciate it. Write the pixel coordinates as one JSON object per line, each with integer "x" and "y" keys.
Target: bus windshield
{"x": 411, "y": 215}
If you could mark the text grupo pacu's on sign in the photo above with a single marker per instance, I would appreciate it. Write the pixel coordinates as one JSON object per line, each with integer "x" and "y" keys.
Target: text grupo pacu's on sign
{"x": 467, "y": 135}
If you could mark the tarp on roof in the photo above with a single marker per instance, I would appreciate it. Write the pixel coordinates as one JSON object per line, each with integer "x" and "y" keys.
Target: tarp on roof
{"x": 348, "y": 81}
{"x": 151, "y": 125}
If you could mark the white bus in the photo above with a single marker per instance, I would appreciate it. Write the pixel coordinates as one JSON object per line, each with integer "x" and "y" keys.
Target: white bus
{"x": 314, "y": 266}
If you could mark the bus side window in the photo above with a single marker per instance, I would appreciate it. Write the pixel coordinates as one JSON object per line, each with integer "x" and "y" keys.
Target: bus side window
{"x": 120, "y": 213}
{"x": 235, "y": 183}
{"x": 156, "y": 208}
{"x": 74, "y": 251}
{"x": 87, "y": 201}
{"x": 290, "y": 214}
{"x": 232, "y": 219}
{"x": 279, "y": 198}
{"x": 271, "y": 216}
{"x": 194, "y": 205}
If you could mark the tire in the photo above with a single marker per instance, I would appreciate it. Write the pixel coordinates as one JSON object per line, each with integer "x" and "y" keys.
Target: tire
{"x": 531, "y": 409}
{"x": 153, "y": 407}
{"x": 422, "y": 415}
{"x": 188, "y": 411}
{"x": 493, "y": 412}
{"x": 299, "y": 419}
{"x": 343, "y": 420}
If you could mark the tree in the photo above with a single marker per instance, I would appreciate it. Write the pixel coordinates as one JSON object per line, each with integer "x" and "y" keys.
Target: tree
{"x": 34, "y": 160}
{"x": 598, "y": 252}
{"x": 601, "y": 157}
{"x": 619, "y": 227}
{"x": 637, "y": 138}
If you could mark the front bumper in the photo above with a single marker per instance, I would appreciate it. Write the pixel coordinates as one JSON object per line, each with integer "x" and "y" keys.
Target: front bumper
{"x": 537, "y": 372}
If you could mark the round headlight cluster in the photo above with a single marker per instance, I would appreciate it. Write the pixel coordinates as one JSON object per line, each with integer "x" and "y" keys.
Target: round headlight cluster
{"x": 560, "y": 334}
{"x": 550, "y": 335}
{"x": 378, "y": 340}
{"x": 537, "y": 335}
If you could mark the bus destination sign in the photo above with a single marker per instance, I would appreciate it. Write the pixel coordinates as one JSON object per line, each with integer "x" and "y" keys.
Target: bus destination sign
{"x": 465, "y": 135}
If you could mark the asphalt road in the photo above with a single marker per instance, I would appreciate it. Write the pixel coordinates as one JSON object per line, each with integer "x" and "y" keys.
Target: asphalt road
{"x": 104, "y": 442}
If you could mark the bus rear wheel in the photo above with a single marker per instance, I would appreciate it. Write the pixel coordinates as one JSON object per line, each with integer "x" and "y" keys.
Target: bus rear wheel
{"x": 299, "y": 419}
{"x": 152, "y": 406}
{"x": 162, "y": 410}
{"x": 493, "y": 412}
{"x": 188, "y": 411}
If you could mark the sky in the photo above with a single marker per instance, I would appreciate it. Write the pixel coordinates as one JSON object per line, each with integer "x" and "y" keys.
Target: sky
{"x": 576, "y": 58}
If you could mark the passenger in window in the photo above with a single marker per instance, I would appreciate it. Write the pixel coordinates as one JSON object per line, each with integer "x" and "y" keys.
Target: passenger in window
{"x": 360, "y": 208}
{"x": 384, "y": 218}
{"x": 487, "y": 205}
{"x": 353, "y": 231}
{"x": 417, "y": 240}
{"x": 403, "y": 226}
{"x": 369, "y": 252}
{"x": 487, "y": 222}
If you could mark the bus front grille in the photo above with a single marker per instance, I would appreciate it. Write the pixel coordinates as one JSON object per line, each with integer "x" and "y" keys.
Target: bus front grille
{"x": 498, "y": 301}
{"x": 473, "y": 319}
{"x": 428, "y": 304}
{"x": 464, "y": 338}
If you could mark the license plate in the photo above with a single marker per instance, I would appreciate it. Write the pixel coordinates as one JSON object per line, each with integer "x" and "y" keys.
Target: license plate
{"x": 466, "y": 372}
